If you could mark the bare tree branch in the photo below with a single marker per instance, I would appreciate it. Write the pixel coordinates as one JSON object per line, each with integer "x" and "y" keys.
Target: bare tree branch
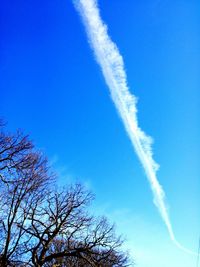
{"x": 43, "y": 226}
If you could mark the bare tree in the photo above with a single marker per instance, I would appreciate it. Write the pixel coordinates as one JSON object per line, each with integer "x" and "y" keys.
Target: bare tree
{"x": 63, "y": 233}
{"x": 43, "y": 226}
{"x": 23, "y": 175}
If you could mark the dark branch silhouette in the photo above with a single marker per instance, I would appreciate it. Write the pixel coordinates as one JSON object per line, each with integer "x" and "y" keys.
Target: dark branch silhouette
{"x": 44, "y": 226}
{"x": 23, "y": 176}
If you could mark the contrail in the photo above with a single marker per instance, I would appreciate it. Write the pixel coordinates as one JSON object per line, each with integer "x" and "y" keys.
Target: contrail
{"x": 112, "y": 65}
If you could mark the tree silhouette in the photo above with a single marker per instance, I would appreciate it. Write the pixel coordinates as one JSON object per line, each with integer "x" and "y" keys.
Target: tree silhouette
{"x": 44, "y": 226}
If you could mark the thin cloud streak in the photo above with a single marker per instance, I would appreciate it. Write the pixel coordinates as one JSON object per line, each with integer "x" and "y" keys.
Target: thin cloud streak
{"x": 112, "y": 65}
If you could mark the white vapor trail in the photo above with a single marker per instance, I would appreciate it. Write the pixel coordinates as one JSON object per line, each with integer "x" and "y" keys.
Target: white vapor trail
{"x": 111, "y": 63}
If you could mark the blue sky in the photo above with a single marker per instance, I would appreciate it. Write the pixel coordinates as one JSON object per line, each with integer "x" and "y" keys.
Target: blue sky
{"x": 52, "y": 88}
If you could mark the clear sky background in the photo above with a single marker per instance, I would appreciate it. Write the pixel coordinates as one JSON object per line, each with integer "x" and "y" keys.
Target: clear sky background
{"x": 51, "y": 86}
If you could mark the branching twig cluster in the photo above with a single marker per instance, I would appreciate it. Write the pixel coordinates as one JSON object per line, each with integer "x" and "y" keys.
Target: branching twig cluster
{"x": 43, "y": 226}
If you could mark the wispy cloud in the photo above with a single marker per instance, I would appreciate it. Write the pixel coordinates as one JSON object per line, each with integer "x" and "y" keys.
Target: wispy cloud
{"x": 112, "y": 65}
